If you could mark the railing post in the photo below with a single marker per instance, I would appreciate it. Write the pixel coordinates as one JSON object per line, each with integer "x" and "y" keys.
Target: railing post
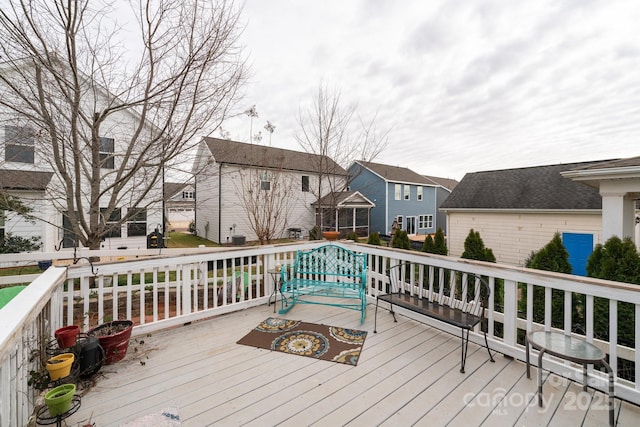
{"x": 510, "y": 313}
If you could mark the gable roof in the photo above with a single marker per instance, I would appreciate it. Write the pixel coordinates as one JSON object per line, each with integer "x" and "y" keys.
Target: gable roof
{"x": 24, "y": 180}
{"x": 346, "y": 199}
{"x": 173, "y": 188}
{"x": 396, "y": 173}
{"x": 446, "y": 183}
{"x": 243, "y": 154}
{"x": 537, "y": 188}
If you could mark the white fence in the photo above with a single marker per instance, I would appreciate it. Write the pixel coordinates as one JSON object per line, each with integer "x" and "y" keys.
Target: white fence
{"x": 171, "y": 290}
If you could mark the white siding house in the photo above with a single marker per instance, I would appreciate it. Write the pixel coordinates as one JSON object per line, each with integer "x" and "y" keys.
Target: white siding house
{"x": 517, "y": 211}
{"x": 232, "y": 178}
{"x": 26, "y": 158}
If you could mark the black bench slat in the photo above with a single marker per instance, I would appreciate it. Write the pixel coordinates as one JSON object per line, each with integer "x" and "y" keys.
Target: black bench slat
{"x": 432, "y": 309}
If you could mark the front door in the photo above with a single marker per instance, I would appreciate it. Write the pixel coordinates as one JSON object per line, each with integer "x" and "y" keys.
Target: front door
{"x": 411, "y": 225}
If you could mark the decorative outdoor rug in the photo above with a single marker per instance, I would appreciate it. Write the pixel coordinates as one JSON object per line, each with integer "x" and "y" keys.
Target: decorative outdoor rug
{"x": 307, "y": 339}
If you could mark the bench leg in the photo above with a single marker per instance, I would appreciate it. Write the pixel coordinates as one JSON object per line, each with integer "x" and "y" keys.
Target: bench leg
{"x": 486, "y": 343}
{"x": 375, "y": 317}
{"x": 465, "y": 348}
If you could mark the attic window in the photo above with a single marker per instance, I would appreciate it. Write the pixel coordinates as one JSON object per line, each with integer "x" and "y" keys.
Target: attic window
{"x": 265, "y": 181}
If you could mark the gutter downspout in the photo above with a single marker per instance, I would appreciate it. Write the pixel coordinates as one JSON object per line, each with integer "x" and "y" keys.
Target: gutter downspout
{"x": 220, "y": 203}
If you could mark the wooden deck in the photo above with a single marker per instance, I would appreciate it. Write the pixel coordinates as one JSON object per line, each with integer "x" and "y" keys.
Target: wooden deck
{"x": 407, "y": 375}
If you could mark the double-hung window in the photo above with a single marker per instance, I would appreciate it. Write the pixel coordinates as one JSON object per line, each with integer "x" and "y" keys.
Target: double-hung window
{"x": 106, "y": 153}
{"x": 407, "y": 192}
{"x": 305, "y": 183}
{"x": 419, "y": 193}
{"x": 398, "y": 191}
{"x": 425, "y": 221}
{"x": 19, "y": 144}
{"x": 265, "y": 181}
{"x": 137, "y": 225}
{"x": 111, "y": 224}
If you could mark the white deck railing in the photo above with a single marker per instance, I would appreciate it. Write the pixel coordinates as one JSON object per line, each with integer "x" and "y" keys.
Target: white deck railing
{"x": 171, "y": 290}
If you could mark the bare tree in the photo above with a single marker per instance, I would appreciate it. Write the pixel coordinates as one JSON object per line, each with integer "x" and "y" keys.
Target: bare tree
{"x": 75, "y": 74}
{"x": 267, "y": 198}
{"x": 326, "y": 129}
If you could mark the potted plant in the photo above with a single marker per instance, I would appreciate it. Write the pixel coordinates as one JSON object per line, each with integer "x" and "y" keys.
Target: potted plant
{"x": 331, "y": 235}
{"x": 114, "y": 339}
{"x": 58, "y": 400}
{"x": 60, "y": 366}
{"x": 67, "y": 335}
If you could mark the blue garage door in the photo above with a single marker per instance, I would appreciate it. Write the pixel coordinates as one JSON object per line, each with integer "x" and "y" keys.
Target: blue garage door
{"x": 579, "y": 247}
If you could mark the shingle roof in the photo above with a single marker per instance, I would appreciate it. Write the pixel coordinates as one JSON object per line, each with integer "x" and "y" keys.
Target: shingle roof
{"x": 617, "y": 163}
{"x": 447, "y": 183}
{"x": 240, "y": 153}
{"x": 540, "y": 187}
{"x": 173, "y": 188}
{"x": 24, "y": 180}
{"x": 397, "y": 173}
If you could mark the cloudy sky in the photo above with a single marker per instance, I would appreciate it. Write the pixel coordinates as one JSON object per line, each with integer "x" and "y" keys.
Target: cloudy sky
{"x": 464, "y": 85}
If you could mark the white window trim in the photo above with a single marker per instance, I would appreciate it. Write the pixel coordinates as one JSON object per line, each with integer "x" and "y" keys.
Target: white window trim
{"x": 398, "y": 190}
{"x": 407, "y": 192}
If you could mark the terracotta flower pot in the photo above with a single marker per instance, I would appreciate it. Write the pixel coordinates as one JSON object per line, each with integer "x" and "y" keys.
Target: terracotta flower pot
{"x": 58, "y": 400}
{"x": 66, "y": 336}
{"x": 60, "y": 366}
{"x": 114, "y": 339}
{"x": 331, "y": 235}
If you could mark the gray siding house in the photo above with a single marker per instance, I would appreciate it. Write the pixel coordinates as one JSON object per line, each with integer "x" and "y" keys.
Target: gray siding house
{"x": 401, "y": 195}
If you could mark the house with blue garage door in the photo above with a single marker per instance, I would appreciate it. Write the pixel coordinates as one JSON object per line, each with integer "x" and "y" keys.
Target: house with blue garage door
{"x": 517, "y": 211}
{"x": 401, "y": 195}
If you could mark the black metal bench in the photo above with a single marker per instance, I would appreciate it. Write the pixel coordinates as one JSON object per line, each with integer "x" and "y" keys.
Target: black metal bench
{"x": 452, "y": 297}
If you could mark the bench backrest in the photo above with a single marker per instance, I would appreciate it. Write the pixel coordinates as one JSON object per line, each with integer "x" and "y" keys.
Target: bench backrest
{"x": 331, "y": 262}
{"x": 466, "y": 292}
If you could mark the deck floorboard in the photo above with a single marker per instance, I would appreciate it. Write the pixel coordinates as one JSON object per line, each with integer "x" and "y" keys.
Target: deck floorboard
{"x": 408, "y": 374}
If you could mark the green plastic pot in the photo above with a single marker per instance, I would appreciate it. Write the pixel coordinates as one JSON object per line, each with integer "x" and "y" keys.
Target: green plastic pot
{"x": 58, "y": 400}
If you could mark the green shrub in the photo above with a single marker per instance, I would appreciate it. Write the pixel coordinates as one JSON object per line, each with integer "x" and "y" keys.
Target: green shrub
{"x": 474, "y": 248}
{"x": 374, "y": 239}
{"x": 401, "y": 240}
{"x": 353, "y": 236}
{"x": 15, "y": 244}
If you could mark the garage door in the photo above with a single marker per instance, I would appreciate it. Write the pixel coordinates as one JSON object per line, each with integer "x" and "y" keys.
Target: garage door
{"x": 579, "y": 246}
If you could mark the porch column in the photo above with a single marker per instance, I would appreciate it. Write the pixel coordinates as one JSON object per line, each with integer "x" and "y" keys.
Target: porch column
{"x": 618, "y": 215}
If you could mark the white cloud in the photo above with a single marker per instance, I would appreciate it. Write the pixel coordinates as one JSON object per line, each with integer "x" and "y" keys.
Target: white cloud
{"x": 467, "y": 85}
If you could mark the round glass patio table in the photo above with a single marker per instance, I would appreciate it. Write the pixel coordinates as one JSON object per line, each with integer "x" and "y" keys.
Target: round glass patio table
{"x": 572, "y": 349}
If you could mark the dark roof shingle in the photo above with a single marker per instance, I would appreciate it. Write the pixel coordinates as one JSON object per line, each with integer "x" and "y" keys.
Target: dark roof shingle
{"x": 24, "y": 180}
{"x": 240, "y": 153}
{"x": 540, "y": 187}
{"x": 397, "y": 173}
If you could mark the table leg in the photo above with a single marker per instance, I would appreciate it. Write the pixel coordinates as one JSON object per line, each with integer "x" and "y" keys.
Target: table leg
{"x": 611, "y": 394}
{"x": 540, "y": 378}
{"x": 528, "y": 364}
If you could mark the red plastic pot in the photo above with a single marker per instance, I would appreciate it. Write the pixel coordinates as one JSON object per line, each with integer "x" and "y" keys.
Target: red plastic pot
{"x": 66, "y": 336}
{"x": 115, "y": 344}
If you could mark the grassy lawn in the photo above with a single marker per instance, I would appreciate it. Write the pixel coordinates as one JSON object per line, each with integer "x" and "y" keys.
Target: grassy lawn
{"x": 186, "y": 240}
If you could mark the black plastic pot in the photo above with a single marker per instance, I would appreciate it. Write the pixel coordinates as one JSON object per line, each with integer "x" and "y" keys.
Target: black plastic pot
{"x": 90, "y": 354}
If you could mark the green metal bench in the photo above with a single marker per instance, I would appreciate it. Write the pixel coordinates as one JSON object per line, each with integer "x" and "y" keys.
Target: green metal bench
{"x": 323, "y": 273}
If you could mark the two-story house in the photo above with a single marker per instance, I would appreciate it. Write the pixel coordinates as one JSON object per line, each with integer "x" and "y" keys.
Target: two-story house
{"x": 243, "y": 186}
{"x": 401, "y": 195}
{"x": 180, "y": 205}
{"x": 32, "y": 172}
